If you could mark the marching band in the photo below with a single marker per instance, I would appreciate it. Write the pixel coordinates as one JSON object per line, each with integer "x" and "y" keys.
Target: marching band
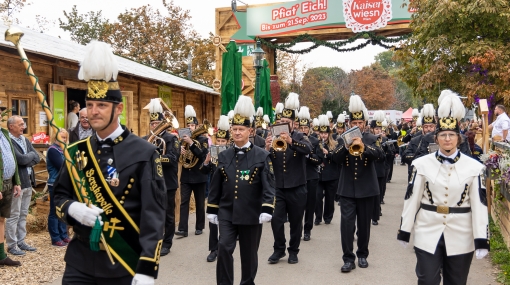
{"x": 119, "y": 192}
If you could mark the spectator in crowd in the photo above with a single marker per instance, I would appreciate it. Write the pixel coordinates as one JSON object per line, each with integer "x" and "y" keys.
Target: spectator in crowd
{"x": 26, "y": 157}
{"x": 476, "y": 150}
{"x": 55, "y": 161}
{"x": 10, "y": 186}
{"x": 82, "y": 129}
{"x": 72, "y": 116}
{"x": 500, "y": 126}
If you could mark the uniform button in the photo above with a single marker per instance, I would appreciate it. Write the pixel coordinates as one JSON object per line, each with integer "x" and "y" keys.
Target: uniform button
{"x": 355, "y": 178}
{"x": 237, "y": 175}
{"x": 236, "y": 186}
{"x": 155, "y": 268}
{"x": 129, "y": 186}
{"x": 236, "y": 193}
{"x": 236, "y": 197}
{"x": 444, "y": 216}
{"x": 98, "y": 152}
{"x": 122, "y": 197}
{"x": 284, "y": 170}
{"x": 132, "y": 180}
{"x": 446, "y": 195}
{"x": 126, "y": 192}
{"x": 444, "y": 223}
{"x": 121, "y": 201}
{"x": 449, "y": 174}
{"x": 355, "y": 173}
{"x": 446, "y": 202}
{"x": 446, "y": 188}
{"x": 236, "y": 181}
{"x": 237, "y": 170}
{"x": 355, "y": 163}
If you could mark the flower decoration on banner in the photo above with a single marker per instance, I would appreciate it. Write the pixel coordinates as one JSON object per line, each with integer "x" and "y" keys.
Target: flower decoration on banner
{"x": 371, "y": 38}
{"x": 366, "y": 15}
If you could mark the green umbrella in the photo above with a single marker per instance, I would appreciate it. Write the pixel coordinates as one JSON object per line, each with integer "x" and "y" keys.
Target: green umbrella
{"x": 266, "y": 101}
{"x": 231, "y": 76}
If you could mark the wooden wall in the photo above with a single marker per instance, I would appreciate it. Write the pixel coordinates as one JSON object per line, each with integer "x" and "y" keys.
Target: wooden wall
{"x": 15, "y": 83}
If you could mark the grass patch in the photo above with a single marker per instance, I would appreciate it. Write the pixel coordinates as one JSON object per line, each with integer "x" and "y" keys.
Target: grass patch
{"x": 499, "y": 253}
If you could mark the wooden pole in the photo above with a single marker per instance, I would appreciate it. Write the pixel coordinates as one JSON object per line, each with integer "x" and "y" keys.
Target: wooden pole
{"x": 484, "y": 113}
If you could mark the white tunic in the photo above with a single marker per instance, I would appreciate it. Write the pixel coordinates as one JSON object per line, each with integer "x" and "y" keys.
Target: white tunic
{"x": 438, "y": 184}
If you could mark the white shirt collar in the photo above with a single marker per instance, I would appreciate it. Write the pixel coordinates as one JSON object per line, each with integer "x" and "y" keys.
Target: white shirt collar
{"x": 113, "y": 135}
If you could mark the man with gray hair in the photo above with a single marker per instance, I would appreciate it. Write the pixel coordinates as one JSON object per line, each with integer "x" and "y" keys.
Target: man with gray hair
{"x": 82, "y": 130}
{"x": 9, "y": 188}
{"x": 26, "y": 157}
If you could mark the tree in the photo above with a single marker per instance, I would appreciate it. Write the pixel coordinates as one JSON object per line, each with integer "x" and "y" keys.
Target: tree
{"x": 85, "y": 27}
{"x": 8, "y": 8}
{"x": 374, "y": 85}
{"x": 290, "y": 71}
{"x": 163, "y": 40}
{"x": 463, "y": 45}
{"x": 324, "y": 86}
{"x": 403, "y": 94}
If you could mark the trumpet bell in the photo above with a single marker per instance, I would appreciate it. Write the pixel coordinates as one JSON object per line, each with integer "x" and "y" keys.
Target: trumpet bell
{"x": 399, "y": 140}
{"x": 279, "y": 144}
{"x": 356, "y": 149}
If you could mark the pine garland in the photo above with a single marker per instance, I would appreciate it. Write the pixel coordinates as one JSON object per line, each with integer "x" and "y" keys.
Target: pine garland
{"x": 371, "y": 37}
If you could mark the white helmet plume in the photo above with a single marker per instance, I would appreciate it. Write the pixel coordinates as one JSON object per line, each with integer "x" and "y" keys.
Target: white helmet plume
{"x": 244, "y": 107}
{"x": 189, "y": 111}
{"x": 292, "y": 101}
{"x": 99, "y": 63}
{"x": 304, "y": 113}
{"x": 223, "y": 123}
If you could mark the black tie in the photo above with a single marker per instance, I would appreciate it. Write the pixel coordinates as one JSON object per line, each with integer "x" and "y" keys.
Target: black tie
{"x": 107, "y": 142}
{"x": 240, "y": 149}
{"x": 444, "y": 158}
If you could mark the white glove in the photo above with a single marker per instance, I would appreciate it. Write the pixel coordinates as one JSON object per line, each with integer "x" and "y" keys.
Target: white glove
{"x": 141, "y": 279}
{"x": 481, "y": 253}
{"x": 264, "y": 218}
{"x": 213, "y": 219}
{"x": 85, "y": 215}
{"x": 403, "y": 243}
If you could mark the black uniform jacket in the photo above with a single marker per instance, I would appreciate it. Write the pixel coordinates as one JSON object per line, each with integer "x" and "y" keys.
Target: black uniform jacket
{"x": 412, "y": 148}
{"x": 380, "y": 168}
{"x": 290, "y": 165}
{"x": 313, "y": 160}
{"x": 429, "y": 138}
{"x": 258, "y": 141}
{"x": 329, "y": 168}
{"x": 194, "y": 175}
{"x": 170, "y": 160}
{"x": 242, "y": 186}
{"x": 358, "y": 177}
{"x": 141, "y": 194}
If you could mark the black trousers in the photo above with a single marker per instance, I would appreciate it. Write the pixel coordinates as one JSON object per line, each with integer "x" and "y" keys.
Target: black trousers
{"x": 330, "y": 188}
{"x": 73, "y": 276}
{"x": 377, "y": 201}
{"x": 319, "y": 203}
{"x": 198, "y": 190}
{"x": 355, "y": 210}
{"x": 169, "y": 218}
{"x": 213, "y": 236}
{"x": 455, "y": 268}
{"x": 290, "y": 202}
{"x": 311, "y": 187}
{"x": 390, "y": 173}
{"x": 249, "y": 240}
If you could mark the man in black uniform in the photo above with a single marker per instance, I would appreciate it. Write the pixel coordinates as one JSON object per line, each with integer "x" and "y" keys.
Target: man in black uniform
{"x": 119, "y": 212}
{"x": 241, "y": 198}
{"x": 312, "y": 175}
{"x": 193, "y": 151}
{"x": 170, "y": 163}
{"x": 376, "y": 129}
{"x": 290, "y": 174}
{"x": 340, "y": 127}
{"x": 222, "y": 139}
{"x": 357, "y": 188}
{"x": 414, "y": 128}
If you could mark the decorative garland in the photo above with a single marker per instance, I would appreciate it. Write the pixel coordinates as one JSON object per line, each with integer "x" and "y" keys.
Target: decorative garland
{"x": 337, "y": 46}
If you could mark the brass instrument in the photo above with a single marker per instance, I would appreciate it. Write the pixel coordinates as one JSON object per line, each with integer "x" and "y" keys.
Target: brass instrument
{"x": 154, "y": 137}
{"x": 356, "y": 149}
{"x": 399, "y": 140}
{"x": 279, "y": 144}
{"x": 187, "y": 158}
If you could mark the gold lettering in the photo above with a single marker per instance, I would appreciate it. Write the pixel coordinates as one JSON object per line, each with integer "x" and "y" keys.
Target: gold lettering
{"x": 90, "y": 173}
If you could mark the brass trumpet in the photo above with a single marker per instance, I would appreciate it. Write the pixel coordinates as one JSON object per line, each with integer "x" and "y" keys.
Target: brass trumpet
{"x": 356, "y": 149}
{"x": 279, "y": 144}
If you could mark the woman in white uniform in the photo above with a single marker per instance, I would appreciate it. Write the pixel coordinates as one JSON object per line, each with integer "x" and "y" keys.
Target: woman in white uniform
{"x": 446, "y": 205}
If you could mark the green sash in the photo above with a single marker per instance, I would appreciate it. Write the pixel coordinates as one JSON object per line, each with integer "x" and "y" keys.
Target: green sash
{"x": 120, "y": 231}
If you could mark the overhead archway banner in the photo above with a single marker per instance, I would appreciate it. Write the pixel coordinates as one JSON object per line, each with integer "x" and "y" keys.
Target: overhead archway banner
{"x": 301, "y": 15}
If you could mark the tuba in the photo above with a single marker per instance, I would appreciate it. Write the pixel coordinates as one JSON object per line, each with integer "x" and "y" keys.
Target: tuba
{"x": 188, "y": 159}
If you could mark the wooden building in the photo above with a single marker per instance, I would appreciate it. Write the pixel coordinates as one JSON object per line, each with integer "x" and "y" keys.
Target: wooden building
{"x": 56, "y": 63}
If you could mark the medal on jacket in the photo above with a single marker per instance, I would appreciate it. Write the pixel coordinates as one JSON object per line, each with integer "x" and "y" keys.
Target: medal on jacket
{"x": 245, "y": 174}
{"x": 113, "y": 176}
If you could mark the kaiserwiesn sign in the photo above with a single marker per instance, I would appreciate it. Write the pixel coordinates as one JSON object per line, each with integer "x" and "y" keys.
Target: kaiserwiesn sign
{"x": 301, "y": 15}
